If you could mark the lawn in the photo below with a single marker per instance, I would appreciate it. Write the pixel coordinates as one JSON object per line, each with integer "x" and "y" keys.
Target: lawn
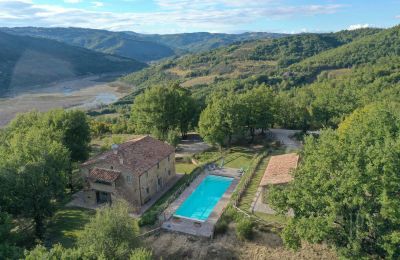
{"x": 239, "y": 157}
{"x": 184, "y": 167}
{"x": 66, "y": 224}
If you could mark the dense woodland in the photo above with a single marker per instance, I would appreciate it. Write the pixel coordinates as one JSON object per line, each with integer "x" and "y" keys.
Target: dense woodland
{"x": 344, "y": 194}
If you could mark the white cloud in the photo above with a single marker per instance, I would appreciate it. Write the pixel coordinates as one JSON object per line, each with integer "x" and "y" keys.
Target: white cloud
{"x": 97, "y": 4}
{"x": 175, "y": 15}
{"x": 358, "y": 26}
{"x": 397, "y": 17}
{"x": 72, "y": 1}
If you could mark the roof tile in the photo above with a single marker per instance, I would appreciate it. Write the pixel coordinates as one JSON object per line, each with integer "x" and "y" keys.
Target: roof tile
{"x": 279, "y": 169}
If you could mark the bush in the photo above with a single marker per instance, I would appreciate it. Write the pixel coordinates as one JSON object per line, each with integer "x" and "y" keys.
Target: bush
{"x": 149, "y": 218}
{"x": 141, "y": 254}
{"x": 221, "y": 227}
{"x": 244, "y": 229}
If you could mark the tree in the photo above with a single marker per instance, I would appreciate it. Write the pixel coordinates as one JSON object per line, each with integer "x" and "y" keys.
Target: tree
{"x": 75, "y": 129}
{"x": 346, "y": 191}
{"x": 112, "y": 233}
{"x": 259, "y": 109}
{"x": 33, "y": 167}
{"x": 7, "y": 248}
{"x": 221, "y": 119}
{"x": 162, "y": 109}
{"x": 56, "y": 252}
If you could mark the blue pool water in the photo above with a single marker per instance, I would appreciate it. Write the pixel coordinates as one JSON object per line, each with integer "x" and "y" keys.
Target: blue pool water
{"x": 203, "y": 199}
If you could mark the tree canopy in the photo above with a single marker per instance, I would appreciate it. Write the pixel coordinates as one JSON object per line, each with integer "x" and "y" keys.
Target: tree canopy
{"x": 161, "y": 109}
{"x": 346, "y": 190}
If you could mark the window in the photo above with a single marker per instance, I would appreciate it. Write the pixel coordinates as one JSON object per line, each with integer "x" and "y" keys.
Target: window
{"x": 158, "y": 165}
{"x": 169, "y": 172}
{"x": 168, "y": 157}
{"x": 129, "y": 179}
{"x": 111, "y": 167}
{"x": 147, "y": 190}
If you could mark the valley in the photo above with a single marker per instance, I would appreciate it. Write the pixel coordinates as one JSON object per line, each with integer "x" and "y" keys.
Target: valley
{"x": 84, "y": 92}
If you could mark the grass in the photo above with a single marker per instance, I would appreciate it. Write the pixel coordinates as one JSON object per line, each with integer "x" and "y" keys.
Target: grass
{"x": 184, "y": 167}
{"x": 238, "y": 157}
{"x": 271, "y": 218}
{"x": 245, "y": 202}
{"x": 66, "y": 224}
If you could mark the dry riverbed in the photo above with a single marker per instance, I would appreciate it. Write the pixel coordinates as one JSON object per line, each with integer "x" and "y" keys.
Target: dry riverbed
{"x": 85, "y": 93}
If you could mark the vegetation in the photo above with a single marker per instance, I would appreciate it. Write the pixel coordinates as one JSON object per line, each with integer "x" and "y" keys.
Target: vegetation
{"x": 163, "y": 111}
{"x": 344, "y": 192}
{"x": 110, "y": 234}
{"x": 35, "y": 163}
{"x": 244, "y": 229}
{"x": 66, "y": 225}
{"x": 228, "y": 115}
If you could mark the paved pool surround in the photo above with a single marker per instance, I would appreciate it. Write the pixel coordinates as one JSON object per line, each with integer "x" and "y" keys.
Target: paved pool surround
{"x": 198, "y": 227}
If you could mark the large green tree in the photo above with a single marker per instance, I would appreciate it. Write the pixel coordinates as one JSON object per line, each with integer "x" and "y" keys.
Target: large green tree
{"x": 161, "y": 109}
{"x": 222, "y": 119}
{"x": 346, "y": 190}
{"x": 259, "y": 108}
{"x": 33, "y": 167}
{"x": 75, "y": 129}
{"x": 112, "y": 233}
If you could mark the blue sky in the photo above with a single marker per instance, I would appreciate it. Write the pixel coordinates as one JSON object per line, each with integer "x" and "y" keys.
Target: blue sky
{"x": 177, "y": 16}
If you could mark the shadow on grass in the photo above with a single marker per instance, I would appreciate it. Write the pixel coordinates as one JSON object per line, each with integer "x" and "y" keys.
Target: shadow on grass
{"x": 65, "y": 226}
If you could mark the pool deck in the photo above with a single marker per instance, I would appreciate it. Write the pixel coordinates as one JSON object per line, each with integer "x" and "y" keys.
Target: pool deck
{"x": 193, "y": 226}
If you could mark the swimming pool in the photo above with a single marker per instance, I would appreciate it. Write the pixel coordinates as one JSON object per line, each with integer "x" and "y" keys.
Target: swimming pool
{"x": 203, "y": 199}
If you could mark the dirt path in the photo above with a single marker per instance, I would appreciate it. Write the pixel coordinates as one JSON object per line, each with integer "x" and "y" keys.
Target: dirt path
{"x": 283, "y": 136}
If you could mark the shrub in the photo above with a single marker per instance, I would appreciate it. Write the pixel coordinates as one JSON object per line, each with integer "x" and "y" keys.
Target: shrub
{"x": 141, "y": 254}
{"x": 244, "y": 229}
{"x": 149, "y": 218}
{"x": 221, "y": 227}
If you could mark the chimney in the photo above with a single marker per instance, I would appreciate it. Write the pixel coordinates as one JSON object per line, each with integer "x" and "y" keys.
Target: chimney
{"x": 114, "y": 147}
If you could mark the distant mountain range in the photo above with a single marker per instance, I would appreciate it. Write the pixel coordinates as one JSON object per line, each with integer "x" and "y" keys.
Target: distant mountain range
{"x": 141, "y": 47}
{"x": 28, "y": 61}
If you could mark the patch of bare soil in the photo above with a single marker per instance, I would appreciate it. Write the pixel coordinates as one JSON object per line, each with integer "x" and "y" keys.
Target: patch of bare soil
{"x": 264, "y": 245}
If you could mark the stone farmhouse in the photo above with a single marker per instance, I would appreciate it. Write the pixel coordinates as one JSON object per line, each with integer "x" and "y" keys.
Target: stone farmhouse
{"x": 136, "y": 171}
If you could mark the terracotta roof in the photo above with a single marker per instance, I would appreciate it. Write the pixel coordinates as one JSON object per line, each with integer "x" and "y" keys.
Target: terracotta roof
{"x": 104, "y": 174}
{"x": 279, "y": 169}
{"x": 137, "y": 155}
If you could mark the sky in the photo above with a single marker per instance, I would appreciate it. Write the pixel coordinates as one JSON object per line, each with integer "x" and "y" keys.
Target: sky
{"x": 178, "y": 16}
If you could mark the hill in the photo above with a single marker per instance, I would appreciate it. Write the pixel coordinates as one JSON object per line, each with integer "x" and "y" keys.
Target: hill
{"x": 27, "y": 61}
{"x": 142, "y": 47}
{"x": 368, "y": 49}
{"x": 259, "y": 58}
{"x": 204, "y": 41}
{"x": 115, "y": 43}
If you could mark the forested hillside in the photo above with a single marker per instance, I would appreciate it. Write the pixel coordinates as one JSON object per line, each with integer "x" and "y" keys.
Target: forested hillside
{"x": 100, "y": 40}
{"x": 204, "y": 41}
{"x": 261, "y": 58}
{"x": 318, "y": 79}
{"x": 27, "y": 61}
{"x": 367, "y": 49}
{"x": 142, "y": 47}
